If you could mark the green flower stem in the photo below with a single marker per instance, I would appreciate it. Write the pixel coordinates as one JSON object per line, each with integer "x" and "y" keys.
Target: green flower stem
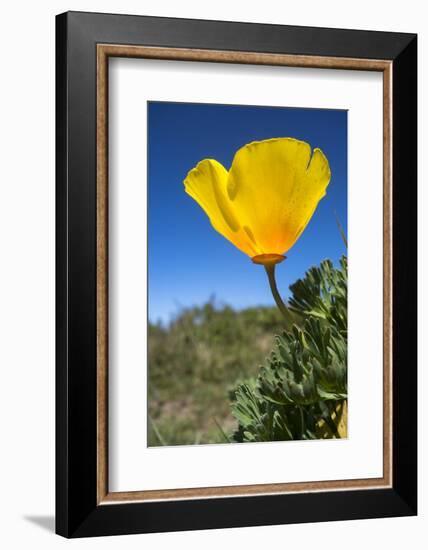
{"x": 270, "y": 270}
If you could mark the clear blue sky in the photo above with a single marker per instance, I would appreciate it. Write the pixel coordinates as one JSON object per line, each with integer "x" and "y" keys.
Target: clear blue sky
{"x": 188, "y": 261}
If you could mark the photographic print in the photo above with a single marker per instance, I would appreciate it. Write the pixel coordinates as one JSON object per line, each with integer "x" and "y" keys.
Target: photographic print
{"x": 202, "y": 305}
{"x": 247, "y": 274}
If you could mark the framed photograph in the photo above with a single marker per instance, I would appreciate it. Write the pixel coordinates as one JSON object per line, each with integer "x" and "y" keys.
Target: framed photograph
{"x": 236, "y": 274}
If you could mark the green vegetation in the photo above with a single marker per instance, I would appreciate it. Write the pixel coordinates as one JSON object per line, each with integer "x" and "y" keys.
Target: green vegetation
{"x": 209, "y": 353}
{"x": 193, "y": 364}
{"x": 301, "y": 390}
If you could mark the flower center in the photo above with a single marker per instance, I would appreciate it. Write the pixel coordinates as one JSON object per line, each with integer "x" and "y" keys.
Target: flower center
{"x": 268, "y": 259}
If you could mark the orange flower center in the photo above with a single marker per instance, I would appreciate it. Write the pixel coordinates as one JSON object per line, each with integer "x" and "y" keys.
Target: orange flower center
{"x": 268, "y": 259}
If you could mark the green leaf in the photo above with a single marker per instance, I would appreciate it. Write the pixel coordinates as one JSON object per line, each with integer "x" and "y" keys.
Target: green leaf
{"x": 303, "y": 382}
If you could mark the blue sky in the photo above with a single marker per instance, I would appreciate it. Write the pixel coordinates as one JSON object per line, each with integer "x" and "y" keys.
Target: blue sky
{"x": 188, "y": 261}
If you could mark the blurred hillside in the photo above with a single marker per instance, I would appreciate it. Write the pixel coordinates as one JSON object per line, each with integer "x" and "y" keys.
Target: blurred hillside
{"x": 194, "y": 362}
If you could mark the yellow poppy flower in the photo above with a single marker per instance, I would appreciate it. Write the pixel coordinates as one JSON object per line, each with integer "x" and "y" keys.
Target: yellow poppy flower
{"x": 266, "y": 199}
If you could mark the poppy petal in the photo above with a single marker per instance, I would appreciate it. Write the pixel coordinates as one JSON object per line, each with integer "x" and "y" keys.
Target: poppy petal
{"x": 274, "y": 187}
{"x": 206, "y": 184}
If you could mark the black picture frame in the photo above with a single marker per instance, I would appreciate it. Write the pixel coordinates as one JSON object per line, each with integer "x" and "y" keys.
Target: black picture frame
{"x": 78, "y": 513}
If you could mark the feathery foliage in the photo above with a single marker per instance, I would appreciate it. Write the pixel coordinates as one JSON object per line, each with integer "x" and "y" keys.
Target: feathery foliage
{"x": 301, "y": 390}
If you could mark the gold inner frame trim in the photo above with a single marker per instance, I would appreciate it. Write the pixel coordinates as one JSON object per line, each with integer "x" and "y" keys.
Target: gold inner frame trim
{"x": 104, "y": 51}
